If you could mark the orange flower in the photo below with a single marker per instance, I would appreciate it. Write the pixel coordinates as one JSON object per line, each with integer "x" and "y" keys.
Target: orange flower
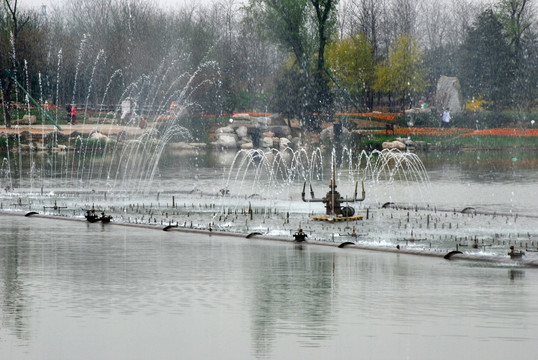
{"x": 427, "y": 131}
{"x": 414, "y": 131}
{"x": 504, "y": 132}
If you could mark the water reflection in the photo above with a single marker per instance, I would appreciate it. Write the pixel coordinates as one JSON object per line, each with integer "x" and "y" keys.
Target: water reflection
{"x": 67, "y": 286}
{"x": 294, "y": 295}
{"x": 14, "y": 299}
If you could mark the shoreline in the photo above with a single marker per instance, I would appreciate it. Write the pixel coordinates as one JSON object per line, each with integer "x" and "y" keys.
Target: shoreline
{"x": 28, "y": 132}
{"x": 442, "y": 254}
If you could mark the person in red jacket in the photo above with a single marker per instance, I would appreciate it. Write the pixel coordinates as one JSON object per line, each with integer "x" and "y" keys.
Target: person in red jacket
{"x": 73, "y": 114}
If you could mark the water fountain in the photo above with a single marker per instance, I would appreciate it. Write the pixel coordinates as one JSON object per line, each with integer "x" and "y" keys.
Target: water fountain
{"x": 130, "y": 174}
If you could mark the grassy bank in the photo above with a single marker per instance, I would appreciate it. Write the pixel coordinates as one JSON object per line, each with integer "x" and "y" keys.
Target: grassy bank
{"x": 454, "y": 139}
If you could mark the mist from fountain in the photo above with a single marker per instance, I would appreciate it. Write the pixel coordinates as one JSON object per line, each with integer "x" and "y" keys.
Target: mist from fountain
{"x": 123, "y": 175}
{"x": 275, "y": 172}
{"x": 98, "y": 161}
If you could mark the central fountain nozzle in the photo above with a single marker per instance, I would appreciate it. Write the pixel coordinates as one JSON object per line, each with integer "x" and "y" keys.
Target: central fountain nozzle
{"x": 333, "y": 200}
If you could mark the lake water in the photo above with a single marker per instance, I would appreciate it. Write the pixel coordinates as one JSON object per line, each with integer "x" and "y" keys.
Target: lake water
{"x": 74, "y": 290}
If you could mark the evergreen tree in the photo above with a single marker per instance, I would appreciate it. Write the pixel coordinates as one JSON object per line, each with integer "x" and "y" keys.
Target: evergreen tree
{"x": 485, "y": 68}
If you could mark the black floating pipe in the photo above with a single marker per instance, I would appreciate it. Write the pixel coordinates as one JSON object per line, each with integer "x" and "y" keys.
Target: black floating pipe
{"x": 253, "y": 234}
{"x": 452, "y": 253}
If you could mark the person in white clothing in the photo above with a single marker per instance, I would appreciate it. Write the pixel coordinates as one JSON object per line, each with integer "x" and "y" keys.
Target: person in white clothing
{"x": 445, "y": 118}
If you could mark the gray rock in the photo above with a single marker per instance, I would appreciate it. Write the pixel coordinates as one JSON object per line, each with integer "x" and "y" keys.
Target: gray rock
{"x": 96, "y": 135}
{"x": 224, "y": 130}
{"x": 277, "y": 120}
{"x": 328, "y": 133}
{"x": 241, "y": 117}
{"x": 267, "y": 142}
{"x": 263, "y": 121}
{"x": 394, "y": 145}
{"x": 227, "y": 141}
{"x": 242, "y": 131}
{"x": 448, "y": 94}
{"x": 280, "y": 130}
{"x": 284, "y": 143}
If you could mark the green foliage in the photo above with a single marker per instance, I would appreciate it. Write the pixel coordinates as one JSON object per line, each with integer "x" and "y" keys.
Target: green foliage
{"x": 351, "y": 62}
{"x": 440, "y": 61}
{"x": 469, "y": 119}
{"x": 285, "y": 23}
{"x": 3, "y": 143}
{"x": 248, "y": 101}
{"x": 372, "y": 141}
{"x": 431, "y": 119}
{"x": 402, "y": 73}
{"x": 516, "y": 18}
{"x": 485, "y": 61}
{"x": 493, "y": 141}
{"x": 302, "y": 27}
{"x": 211, "y": 58}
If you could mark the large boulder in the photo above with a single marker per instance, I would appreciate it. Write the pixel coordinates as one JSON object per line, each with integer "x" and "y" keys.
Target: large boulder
{"x": 242, "y": 132}
{"x": 29, "y": 119}
{"x": 328, "y": 133}
{"x": 267, "y": 142}
{"x": 239, "y": 120}
{"x": 96, "y": 135}
{"x": 278, "y": 120}
{"x": 241, "y": 116}
{"x": 281, "y": 130}
{"x": 394, "y": 145}
{"x": 263, "y": 121}
{"x": 284, "y": 143}
{"x": 225, "y": 130}
{"x": 226, "y": 141}
{"x": 448, "y": 94}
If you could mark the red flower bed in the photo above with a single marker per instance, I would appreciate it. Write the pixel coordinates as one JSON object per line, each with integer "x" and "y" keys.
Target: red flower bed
{"x": 461, "y": 131}
{"x": 504, "y": 132}
{"x": 428, "y": 131}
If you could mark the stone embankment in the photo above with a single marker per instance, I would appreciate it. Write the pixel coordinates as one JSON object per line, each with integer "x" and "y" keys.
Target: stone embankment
{"x": 244, "y": 131}
{"x": 33, "y": 134}
{"x": 249, "y": 132}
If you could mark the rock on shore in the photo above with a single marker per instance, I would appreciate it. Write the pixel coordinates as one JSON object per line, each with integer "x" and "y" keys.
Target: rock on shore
{"x": 249, "y": 132}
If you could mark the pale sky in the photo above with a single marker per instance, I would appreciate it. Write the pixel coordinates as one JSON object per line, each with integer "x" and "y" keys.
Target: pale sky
{"x": 163, "y": 3}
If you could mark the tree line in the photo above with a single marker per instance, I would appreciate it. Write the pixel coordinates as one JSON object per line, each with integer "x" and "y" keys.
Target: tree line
{"x": 304, "y": 58}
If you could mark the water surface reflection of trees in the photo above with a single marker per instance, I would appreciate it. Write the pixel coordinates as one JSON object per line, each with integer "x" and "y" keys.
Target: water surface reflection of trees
{"x": 293, "y": 295}
{"x": 14, "y": 303}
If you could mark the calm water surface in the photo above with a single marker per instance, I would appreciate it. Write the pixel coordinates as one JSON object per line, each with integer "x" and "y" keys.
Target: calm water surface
{"x": 73, "y": 290}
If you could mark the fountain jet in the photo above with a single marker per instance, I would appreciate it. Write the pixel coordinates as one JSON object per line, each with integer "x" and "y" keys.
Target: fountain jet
{"x": 333, "y": 200}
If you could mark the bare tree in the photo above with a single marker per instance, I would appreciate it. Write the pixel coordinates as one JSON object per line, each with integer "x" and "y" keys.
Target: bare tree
{"x": 15, "y": 24}
{"x": 366, "y": 16}
{"x": 433, "y": 23}
{"x": 404, "y": 15}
